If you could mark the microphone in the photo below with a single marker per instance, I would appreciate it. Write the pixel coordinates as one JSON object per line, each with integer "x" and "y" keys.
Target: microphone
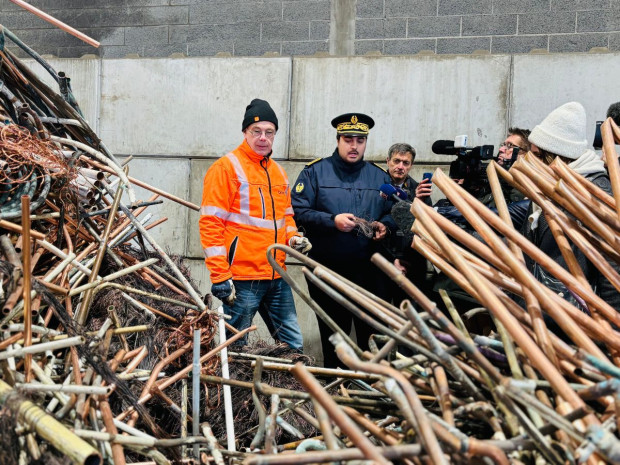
{"x": 444, "y": 147}
{"x": 389, "y": 191}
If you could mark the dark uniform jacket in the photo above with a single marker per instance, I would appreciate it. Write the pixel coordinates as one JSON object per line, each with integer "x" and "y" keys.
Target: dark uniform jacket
{"x": 330, "y": 186}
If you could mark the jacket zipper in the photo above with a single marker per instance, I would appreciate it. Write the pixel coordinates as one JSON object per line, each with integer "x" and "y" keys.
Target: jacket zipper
{"x": 273, "y": 210}
{"x": 262, "y": 200}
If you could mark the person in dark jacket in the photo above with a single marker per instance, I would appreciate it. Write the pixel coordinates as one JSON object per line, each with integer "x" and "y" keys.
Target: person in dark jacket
{"x": 563, "y": 134}
{"x": 336, "y": 200}
{"x": 400, "y": 159}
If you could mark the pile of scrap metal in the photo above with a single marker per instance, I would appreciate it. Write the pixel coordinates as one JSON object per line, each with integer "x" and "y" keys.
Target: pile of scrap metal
{"x": 98, "y": 336}
{"x": 96, "y": 318}
{"x": 522, "y": 393}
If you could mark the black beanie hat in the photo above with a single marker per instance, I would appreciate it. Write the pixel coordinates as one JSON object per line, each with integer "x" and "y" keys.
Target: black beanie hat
{"x": 258, "y": 110}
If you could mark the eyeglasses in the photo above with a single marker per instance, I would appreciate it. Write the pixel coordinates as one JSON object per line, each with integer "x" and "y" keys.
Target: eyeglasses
{"x": 269, "y": 133}
{"x": 509, "y": 146}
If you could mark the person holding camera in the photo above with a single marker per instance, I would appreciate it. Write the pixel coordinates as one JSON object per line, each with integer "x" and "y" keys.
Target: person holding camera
{"x": 517, "y": 139}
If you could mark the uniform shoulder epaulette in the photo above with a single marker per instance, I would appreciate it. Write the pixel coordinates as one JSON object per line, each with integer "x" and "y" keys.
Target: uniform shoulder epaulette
{"x": 381, "y": 168}
{"x": 313, "y": 162}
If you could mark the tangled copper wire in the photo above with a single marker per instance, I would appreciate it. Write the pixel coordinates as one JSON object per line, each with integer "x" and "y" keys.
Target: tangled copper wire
{"x": 22, "y": 154}
{"x": 364, "y": 227}
{"x": 183, "y": 334}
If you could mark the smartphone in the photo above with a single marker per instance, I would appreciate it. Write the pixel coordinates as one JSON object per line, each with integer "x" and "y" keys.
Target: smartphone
{"x": 428, "y": 176}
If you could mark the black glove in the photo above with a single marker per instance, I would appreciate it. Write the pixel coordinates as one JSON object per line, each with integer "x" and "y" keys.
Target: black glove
{"x": 225, "y": 291}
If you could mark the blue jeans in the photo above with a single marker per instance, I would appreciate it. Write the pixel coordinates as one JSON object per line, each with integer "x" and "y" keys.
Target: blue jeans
{"x": 274, "y": 300}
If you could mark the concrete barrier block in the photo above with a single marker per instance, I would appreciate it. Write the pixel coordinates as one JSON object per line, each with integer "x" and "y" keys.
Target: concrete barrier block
{"x": 584, "y": 84}
{"x": 167, "y": 175}
{"x": 412, "y": 99}
{"x": 188, "y": 106}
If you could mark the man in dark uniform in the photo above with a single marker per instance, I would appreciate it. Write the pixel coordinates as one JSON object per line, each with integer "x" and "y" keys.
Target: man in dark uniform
{"x": 330, "y": 197}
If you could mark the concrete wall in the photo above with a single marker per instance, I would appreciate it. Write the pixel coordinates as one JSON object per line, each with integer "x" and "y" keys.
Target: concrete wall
{"x": 159, "y": 28}
{"x": 177, "y": 115}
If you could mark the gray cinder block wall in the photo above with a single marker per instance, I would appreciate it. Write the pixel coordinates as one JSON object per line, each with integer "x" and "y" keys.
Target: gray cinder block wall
{"x": 160, "y": 28}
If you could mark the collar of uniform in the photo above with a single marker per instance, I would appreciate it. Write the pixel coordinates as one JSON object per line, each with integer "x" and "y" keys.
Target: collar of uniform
{"x": 344, "y": 166}
{"x": 251, "y": 154}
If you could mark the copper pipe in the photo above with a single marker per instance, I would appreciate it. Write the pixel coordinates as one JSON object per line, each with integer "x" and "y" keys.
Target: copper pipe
{"x": 472, "y": 446}
{"x": 27, "y": 283}
{"x": 548, "y": 188}
{"x": 10, "y": 340}
{"x": 59, "y": 290}
{"x": 162, "y": 363}
{"x": 142, "y": 306}
{"x": 494, "y": 304}
{"x": 147, "y": 227}
{"x": 118, "y": 454}
{"x": 338, "y": 416}
{"x": 421, "y": 424}
{"x": 370, "y": 426}
{"x": 59, "y": 24}
{"x": 124, "y": 223}
{"x": 4, "y": 224}
{"x": 105, "y": 237}
{"x": 443, "y": 393}
{"x": 427, "y": 305}
{"x": 325, "y": 424}
{"x": 12, "y": 299}
{"x": 611, "y": 160}
{"x": 135, "y": 359}
{"x": 472, "y": 208}
{"x": 137, "y": 182}
{"x": 585, "y": 189}
{"x": 516, "y": 311}
{"x": 132, "y": 353}
{"x": 392, "y": 452}
{"x": 532, "y": 304}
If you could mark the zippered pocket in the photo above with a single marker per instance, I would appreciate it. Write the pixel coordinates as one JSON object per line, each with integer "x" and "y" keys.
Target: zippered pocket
{"x": 262, "y": 200}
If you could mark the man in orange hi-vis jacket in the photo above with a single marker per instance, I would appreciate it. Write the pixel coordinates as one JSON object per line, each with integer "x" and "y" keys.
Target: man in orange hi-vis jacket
{"x": 246, "y": 207}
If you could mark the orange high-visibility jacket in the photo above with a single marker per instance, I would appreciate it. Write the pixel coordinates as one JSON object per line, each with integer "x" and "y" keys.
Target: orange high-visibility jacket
{"x": 246, "y": 207}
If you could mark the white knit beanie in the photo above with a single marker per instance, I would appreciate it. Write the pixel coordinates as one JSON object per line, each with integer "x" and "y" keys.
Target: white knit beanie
{"x": 563, "y": 131}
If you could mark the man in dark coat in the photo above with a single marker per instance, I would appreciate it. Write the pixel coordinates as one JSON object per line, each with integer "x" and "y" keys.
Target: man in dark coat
{"x": 400, "y": 159}
{"x": 336, "y": 200}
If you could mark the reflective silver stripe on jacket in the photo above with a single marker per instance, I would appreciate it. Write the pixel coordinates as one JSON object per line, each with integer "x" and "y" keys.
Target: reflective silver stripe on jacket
{"x": 215, "y": 251}
{"x": 241, "y": 219}
{"x": 244, "y": 188}
{"x": 289, "y": 211}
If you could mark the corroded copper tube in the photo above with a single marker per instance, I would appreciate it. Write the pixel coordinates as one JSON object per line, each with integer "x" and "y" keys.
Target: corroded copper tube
{"x": 497, "y": 307}
{"x": 611, "y": 160}
{"x": 338, "y": 416}
{"x": 420, "y": 422}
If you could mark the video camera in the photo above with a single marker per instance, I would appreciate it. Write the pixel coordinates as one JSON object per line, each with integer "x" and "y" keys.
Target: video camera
{"x": 468, "y": 165}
